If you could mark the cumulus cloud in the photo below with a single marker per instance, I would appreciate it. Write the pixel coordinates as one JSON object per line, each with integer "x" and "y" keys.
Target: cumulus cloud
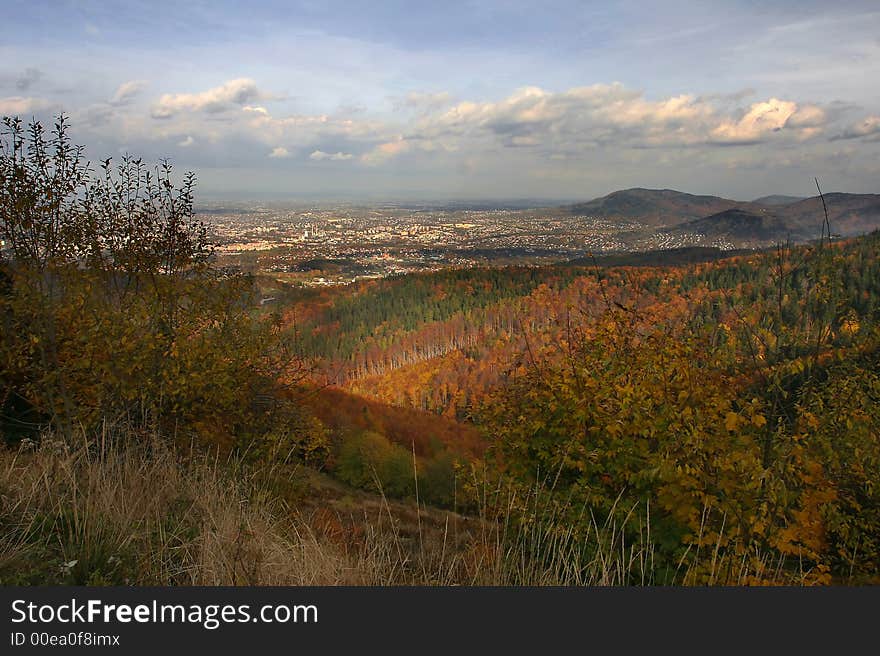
{"x": 522, "y": 134}
{"x": 250, "y": 132}
{"x": 761, "y": 119}
{"x": 19, "y": 106}
{"x": 808, "y": 121}
{"x": 320, "y": 155}
{"x": 807, "y": 116}
{"x": 867, "y": 127}
{"x": 213, "y": 101}
{"x": 611, "y": 115}
{"x": 385, "y": 151}
{"x": 127, "y": 92}
{"x": 579, "y": 117}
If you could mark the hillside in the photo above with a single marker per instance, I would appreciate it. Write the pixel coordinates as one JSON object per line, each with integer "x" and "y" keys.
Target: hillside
{"x": 654, "y": 207}
{"x": 429, "y": 342}
{"x": 849, "y": 214}
{"x": 742, "y": 227}
{"x": 643, "y": 361}
{"x": 656, "y": 258}
{"x": 755, "y": 223}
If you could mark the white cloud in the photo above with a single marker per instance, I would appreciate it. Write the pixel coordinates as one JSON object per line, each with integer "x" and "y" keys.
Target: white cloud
{"x": 256, "y": 110}
{"x": 218, "y": 99}
{"x": 532, "y": 132}
{"x": 17, "y": 105}
{"x": 611, "y": 115}
{"x": 761, "y": 119}
{"x": 127, "y": 92}
{"x": 320, "y": 155}
{"x": 808, "y": 121}
{"x": 807, "y": 116}
{"x": 385, "y": 151}
{"x": 590, "y": 115}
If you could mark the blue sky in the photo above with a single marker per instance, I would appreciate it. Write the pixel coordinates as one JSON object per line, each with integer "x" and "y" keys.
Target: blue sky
{"x": 462, "y": 99}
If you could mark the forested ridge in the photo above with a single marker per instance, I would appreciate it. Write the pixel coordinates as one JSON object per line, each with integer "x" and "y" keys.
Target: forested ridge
{"x": 440, "y": 341}
{"x": 387, "y": 316}
{"x": 736, "y": 397}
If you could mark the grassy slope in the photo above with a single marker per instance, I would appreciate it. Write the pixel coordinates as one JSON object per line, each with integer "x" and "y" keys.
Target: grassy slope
{"x": 140, "y": 513}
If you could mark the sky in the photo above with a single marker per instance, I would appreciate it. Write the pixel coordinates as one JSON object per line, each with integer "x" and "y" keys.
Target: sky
{"x": 461, "y": 100}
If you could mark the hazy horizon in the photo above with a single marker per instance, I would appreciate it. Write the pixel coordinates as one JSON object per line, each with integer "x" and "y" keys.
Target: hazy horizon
{"x": 307, "y": 199}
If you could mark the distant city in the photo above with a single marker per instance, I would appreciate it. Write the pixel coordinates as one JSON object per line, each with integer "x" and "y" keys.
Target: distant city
{"x": 330, "y": 245}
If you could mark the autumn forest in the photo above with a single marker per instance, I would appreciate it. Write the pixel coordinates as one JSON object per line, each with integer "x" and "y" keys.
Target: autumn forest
{"x": 684, "y": 418}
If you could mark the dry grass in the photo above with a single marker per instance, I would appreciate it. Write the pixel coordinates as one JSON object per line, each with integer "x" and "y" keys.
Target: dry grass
{"x": 137, "y": 512}
{"x": 144, "y": 514}
{"x": 141, "y": 513}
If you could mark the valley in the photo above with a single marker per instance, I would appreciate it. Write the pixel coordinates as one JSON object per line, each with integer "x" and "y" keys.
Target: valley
{"x": 340, "y": 244}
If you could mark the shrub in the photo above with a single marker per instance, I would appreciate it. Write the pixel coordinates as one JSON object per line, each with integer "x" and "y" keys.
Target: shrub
{"x": 369, "y": 461}
{"x": 111, "y": 307}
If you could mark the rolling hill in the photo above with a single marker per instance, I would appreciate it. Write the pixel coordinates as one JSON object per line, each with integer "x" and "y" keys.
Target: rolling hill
{"x": 849, "y": 214}
{"x": 654, "y": 207}
{"x": 762, "y": 221}
{"x": 742, "y": 226}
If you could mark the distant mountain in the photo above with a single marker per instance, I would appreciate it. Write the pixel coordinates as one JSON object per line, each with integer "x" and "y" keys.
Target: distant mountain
{"x": 654, "y": 207}
{"x": 742, "y": 226}
{"x": 848, "y": 214}
{"x": 777, "y": 199}
{"x": 763, "y": 221}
